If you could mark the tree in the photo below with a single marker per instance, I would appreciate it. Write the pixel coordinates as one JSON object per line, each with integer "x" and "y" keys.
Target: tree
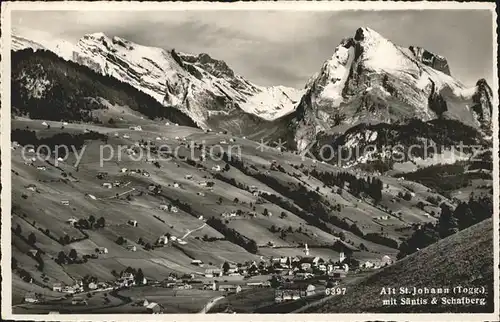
{"x": 139, "y": 277}
{"x": 236, "y": 200}
{"x": 266, "y": 212}
{"x": 73, "y": 254}
{"x": 225, "y": 267}
{"x": 111, "y": 121}
{"x": 448, "y": 224}
{"x": 227, "y": 167}
{"x": 120, "y": 240}
{"x": 91, "y": 220}
{"x": 32, "y": 239}
{"x": 61, "y": 257}
{"x": 101, "y": 222}
{"x": 18, "y": 230}
{"x": 220, "y": 200}
{"x": 342, "y": 236}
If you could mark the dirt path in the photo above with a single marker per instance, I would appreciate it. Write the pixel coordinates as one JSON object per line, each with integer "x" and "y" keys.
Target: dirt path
{"x": 210, "y": 304}
{"x": 192, "y": 231}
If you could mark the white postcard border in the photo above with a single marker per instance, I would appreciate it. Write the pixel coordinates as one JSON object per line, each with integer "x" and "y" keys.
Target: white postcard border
{"x": 5, "y": 118}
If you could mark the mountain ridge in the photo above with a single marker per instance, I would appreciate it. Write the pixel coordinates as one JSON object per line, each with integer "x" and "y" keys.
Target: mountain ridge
{"x": 368, "y": 79}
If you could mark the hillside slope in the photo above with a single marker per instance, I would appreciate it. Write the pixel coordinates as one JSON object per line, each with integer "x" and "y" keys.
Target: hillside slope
{"x": 464, "y": 259}
{"x": 44, "y": 86}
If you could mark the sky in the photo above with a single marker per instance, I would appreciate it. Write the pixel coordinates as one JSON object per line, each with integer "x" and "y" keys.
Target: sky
{"x": 280, "y": 47}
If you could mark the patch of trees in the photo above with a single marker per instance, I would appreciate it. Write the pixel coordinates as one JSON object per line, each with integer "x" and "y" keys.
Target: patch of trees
{"x": 450, "y": 222}
{"x": 233, "y": 236}
{"x": 70, "y": 258}
{"x": 71, "y": 90}
{"x": 381, "y": 240}
{"x": 371, "y": 186}
{"x": 90, "y": 223}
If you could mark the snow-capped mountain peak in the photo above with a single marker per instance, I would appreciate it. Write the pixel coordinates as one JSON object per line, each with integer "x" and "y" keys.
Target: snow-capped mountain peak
{"x": 370, "y": 79}
{"x": 198, "y": 85}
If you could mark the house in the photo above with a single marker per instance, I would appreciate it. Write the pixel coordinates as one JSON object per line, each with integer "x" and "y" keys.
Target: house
{"x": 68, "y": 289}
{"x": 30, "y": 298}
{"x": 174, "y": 209}
{"x": 312, "y": 261}
{"x": 210, "y": 286}
{"x": 162, "y": 240}
{"x": 102, "y": 250}
{"x": 60, "y": 159}
{"x": 368, "y": 264}
{"x": 203, "y": 183}
{"x": 217, "y": 168}
{"x": 173, "y": 238}
{"x": 232, "y": 269}
{"x": 31, "y": 187}
{"x": 182, "y": 242}
{"x": 57, "y": 287}
{"x": 146, "y": 174}
{"x": 145, "y": 302}
{"x": 200, "y": 218}
{"x": 72, "y": 221}
{"x": 201, "y": 194}
{"x": 42, "y": 168}
{"x": 188, "y": 176}
{"x": 293, "y": 291}
{"x": 176, "y": 185}
{"x": 197, "y": 262}
{"x": 213, "y": 272}
{"x": 386, "y": 260}
{"x": 165, "y": 207}
{"x": 44, "y": 124}
{"x": 132, "y": 248}
{"x": 107, "y": 185}
{"x": 136, "y": 128}
{"x": 92, "y": 286}
{"x": 33, "y": 252}
{"x": 123, "y": 170}
{"x": 65, "y": 202}
{"x": 132, "y": 223}
{"x": 230, "y": 288}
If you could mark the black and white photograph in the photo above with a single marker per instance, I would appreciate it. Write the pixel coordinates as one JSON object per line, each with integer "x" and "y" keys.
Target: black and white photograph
{"x": 335, "y": 159}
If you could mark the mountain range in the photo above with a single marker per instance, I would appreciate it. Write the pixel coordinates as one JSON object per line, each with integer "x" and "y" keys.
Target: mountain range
{"x": 367, "y": 80}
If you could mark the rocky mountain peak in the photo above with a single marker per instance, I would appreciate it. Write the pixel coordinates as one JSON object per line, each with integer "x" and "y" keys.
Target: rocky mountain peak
{"x": 369, "y": 79}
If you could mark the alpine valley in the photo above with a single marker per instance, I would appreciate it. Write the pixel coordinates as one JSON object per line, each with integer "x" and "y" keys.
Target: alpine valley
{"x": 326, "y": 185}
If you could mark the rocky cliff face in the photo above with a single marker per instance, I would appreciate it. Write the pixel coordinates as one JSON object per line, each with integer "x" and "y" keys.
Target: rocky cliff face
{"x": 371, "y": 80}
